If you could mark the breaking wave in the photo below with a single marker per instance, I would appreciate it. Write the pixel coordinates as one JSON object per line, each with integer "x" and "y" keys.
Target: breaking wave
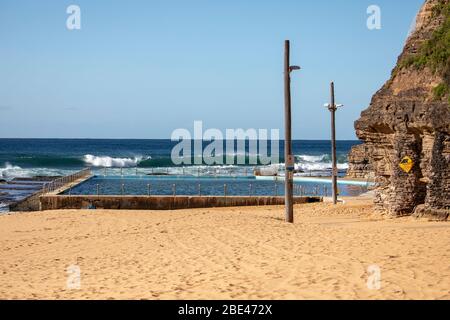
{"x": 110, "y": 162}
{"x": 9, "y": 172}
{"x": 320, "y": 162}
{"x": 26, "y": 166}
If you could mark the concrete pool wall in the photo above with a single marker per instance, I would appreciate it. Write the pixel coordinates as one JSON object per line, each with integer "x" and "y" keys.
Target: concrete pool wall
{"x": 53, "y": 202}
{"x": 33, "y": 201}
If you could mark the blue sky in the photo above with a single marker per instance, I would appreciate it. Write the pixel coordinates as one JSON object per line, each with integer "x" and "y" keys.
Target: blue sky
{"x": 140, "y": 69}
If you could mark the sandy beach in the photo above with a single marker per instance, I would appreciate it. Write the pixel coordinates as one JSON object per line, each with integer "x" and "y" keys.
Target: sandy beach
{"x": 225, "y": 253}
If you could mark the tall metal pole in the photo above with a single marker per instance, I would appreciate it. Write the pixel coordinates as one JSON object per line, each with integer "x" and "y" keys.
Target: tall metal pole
{"x": 332, "y": 109}
{"x": 288, "y": 159}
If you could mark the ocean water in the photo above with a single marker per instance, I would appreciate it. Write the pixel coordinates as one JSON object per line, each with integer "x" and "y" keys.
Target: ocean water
{"x": 139, "y": 164}
{"x": 32, "y": 157}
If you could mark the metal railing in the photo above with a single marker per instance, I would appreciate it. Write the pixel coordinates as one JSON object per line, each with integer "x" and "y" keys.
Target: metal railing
{"x": 174, "y": 189}
{"x": 61, "y": 182}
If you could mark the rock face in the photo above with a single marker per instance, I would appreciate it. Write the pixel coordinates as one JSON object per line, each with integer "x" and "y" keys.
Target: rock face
{"x": 359, "y": 163}
{"x": 410, "y": 116}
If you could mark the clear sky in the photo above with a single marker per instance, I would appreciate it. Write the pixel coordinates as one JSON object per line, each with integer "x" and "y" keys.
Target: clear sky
{"x": 140, "y": 69}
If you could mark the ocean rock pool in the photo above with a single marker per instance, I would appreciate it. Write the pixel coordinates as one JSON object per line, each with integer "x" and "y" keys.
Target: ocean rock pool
{"x": 207, "y": 186}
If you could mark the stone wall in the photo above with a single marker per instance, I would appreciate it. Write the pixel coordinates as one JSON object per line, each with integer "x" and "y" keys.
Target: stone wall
{"x": 359, "y": 163}
{"x": 31, "y": 203}
{"x": 438, "y": 193}
{"x": 53, "y": 202}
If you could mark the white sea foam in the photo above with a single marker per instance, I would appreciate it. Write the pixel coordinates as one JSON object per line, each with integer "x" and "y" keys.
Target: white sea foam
{"x": 309, "y": 158}
{"x": 308, "y": 167}
{"x": 320, "y": 166}
{"x": 110, "y": 162}
{"x": 317, "y": 163}
{"x": 9, "y": 172}
{"x": 4, "y": 208}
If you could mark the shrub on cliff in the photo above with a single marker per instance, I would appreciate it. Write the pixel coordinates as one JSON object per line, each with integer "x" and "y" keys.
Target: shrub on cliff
{"x": 435, "y": 52}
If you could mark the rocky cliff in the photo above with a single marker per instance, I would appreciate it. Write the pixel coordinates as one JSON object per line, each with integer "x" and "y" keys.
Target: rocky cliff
{"x": 410, "y": 117}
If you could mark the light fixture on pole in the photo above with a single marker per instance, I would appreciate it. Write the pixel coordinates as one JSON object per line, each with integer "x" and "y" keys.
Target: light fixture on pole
{"x": 332, "y": 107}
{"x": 289, "y": 159}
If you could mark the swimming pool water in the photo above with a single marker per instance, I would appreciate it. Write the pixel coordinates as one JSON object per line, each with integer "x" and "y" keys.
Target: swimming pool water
{"x": 209, "y": 186}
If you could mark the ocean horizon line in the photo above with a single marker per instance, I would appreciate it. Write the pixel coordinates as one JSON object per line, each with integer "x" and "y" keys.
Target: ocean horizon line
{"x": 164, "y": 139}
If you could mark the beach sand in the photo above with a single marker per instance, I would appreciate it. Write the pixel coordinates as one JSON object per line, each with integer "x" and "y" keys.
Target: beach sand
{"x": 224, "y": 253}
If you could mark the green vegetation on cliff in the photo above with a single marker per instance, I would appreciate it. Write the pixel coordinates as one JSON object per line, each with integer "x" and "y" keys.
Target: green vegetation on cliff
{"x": 435, "y": 52}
